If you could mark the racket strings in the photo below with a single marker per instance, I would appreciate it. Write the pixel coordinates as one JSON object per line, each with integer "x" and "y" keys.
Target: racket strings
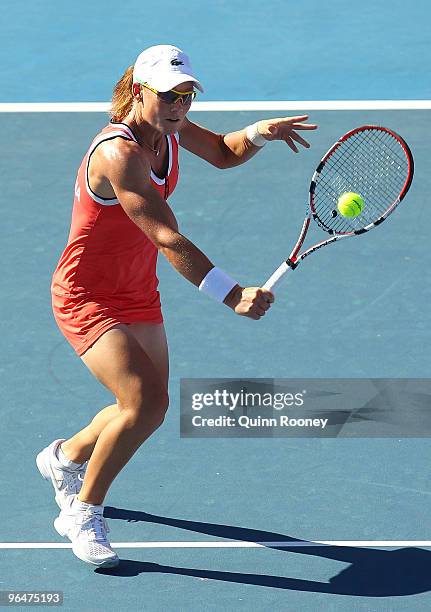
{"x": 371, "y": 163}
{"x": 381, "y": 156}
{"x": 356, "y": 165}
{"x": 350, "y": 171}
{"x": 359, "y": 156}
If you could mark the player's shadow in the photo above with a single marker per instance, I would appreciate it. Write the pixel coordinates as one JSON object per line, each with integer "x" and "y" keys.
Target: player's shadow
{"x": 371, "y": 573}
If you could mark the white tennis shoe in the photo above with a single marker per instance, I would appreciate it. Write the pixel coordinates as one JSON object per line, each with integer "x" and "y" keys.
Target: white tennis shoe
{"x": 66, "y": 481}
{"x": 87, "y": 529}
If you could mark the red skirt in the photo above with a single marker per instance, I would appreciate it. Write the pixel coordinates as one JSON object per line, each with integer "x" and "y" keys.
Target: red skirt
{"x": 83, "y": 320}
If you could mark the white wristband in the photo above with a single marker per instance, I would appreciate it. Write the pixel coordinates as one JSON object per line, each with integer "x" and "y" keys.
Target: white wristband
{"x": 254, "y": 137}
{"x": 217, "y": 284}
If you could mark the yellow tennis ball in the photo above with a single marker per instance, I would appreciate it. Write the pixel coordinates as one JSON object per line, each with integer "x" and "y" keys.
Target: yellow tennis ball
{"x": 350, "y": 204}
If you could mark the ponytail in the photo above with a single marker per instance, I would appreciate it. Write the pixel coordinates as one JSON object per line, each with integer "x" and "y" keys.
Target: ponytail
{"x": 122, "y": 98}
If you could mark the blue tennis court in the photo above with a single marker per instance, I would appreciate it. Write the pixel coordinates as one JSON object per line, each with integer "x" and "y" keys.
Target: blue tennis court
{"x": 344, "y": 522}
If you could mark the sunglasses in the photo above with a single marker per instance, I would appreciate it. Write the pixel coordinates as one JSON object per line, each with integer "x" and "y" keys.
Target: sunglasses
{"x": 172, "y": 96}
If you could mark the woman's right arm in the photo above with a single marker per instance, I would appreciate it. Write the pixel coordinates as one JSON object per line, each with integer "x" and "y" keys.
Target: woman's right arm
{"x": 128, "y": 172}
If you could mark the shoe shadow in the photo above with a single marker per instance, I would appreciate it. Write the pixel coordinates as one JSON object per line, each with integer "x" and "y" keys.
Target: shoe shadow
{"x": 371, "y": 573}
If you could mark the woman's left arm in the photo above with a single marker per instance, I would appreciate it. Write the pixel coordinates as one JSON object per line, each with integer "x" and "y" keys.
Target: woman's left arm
{"x": 235, "y": 148}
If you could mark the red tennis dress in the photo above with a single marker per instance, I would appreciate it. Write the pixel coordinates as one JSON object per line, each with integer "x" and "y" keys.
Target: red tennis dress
{"x": 107, "y": 272}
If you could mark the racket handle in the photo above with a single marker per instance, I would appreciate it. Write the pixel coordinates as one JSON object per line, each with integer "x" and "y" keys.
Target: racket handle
{"x": 276, "y": 278}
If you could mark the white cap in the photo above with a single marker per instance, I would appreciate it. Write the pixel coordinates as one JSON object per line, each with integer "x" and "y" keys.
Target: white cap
{"x": 164, "y": 67}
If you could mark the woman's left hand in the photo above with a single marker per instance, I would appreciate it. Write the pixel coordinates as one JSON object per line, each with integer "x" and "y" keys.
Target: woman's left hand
{"x": 285, "y": 128}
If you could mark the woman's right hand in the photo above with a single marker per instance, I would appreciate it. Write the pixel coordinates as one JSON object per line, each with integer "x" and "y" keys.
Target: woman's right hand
{"x": 252, "y": 302}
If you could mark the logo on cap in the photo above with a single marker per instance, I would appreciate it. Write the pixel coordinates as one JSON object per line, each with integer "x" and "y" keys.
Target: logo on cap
{"x": 177, "y": 63}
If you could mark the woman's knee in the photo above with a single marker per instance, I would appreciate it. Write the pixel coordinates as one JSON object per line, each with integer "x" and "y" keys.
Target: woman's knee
{"x": 131, "y": 375}
{"x": 145, "y": 406}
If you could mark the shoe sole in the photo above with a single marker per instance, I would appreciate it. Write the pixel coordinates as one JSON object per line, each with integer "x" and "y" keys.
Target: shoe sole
{"x": 105, "y": 564}
{"x": 46, "y": 473}
{"x": 43, "y": 465}
{"x": 59, "y": 529}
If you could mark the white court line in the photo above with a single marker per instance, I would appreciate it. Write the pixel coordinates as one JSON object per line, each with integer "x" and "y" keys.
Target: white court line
{"x": 256, "y": 105}
{"x": 235, "y": 544}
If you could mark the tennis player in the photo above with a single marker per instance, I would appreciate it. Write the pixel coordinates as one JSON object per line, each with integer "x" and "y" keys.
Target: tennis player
{"x": 104, "y": 289}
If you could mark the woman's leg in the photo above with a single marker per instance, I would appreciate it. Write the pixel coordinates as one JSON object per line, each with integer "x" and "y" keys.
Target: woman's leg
{"x": 152, "y": 338}
{"x": 80, "y": 446}
{"x": 118, "y": 361}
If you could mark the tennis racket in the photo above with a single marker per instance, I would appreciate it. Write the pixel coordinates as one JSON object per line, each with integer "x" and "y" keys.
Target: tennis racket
{"x": 372, "y": 161}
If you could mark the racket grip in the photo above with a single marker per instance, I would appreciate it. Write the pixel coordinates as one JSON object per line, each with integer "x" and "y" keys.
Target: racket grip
{"x": 276, "y": 278}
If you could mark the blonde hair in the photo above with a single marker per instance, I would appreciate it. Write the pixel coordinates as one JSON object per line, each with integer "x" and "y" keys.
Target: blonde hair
{"x": 122, "y": 97}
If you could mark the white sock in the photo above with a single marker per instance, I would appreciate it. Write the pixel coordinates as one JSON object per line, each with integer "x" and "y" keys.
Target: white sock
{"x": 77, "y": 504}
{"x": 64, "y": 461}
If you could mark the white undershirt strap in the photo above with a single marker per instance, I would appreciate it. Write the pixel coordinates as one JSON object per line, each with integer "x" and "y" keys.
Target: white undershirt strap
{"x": 125, "y": 133}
